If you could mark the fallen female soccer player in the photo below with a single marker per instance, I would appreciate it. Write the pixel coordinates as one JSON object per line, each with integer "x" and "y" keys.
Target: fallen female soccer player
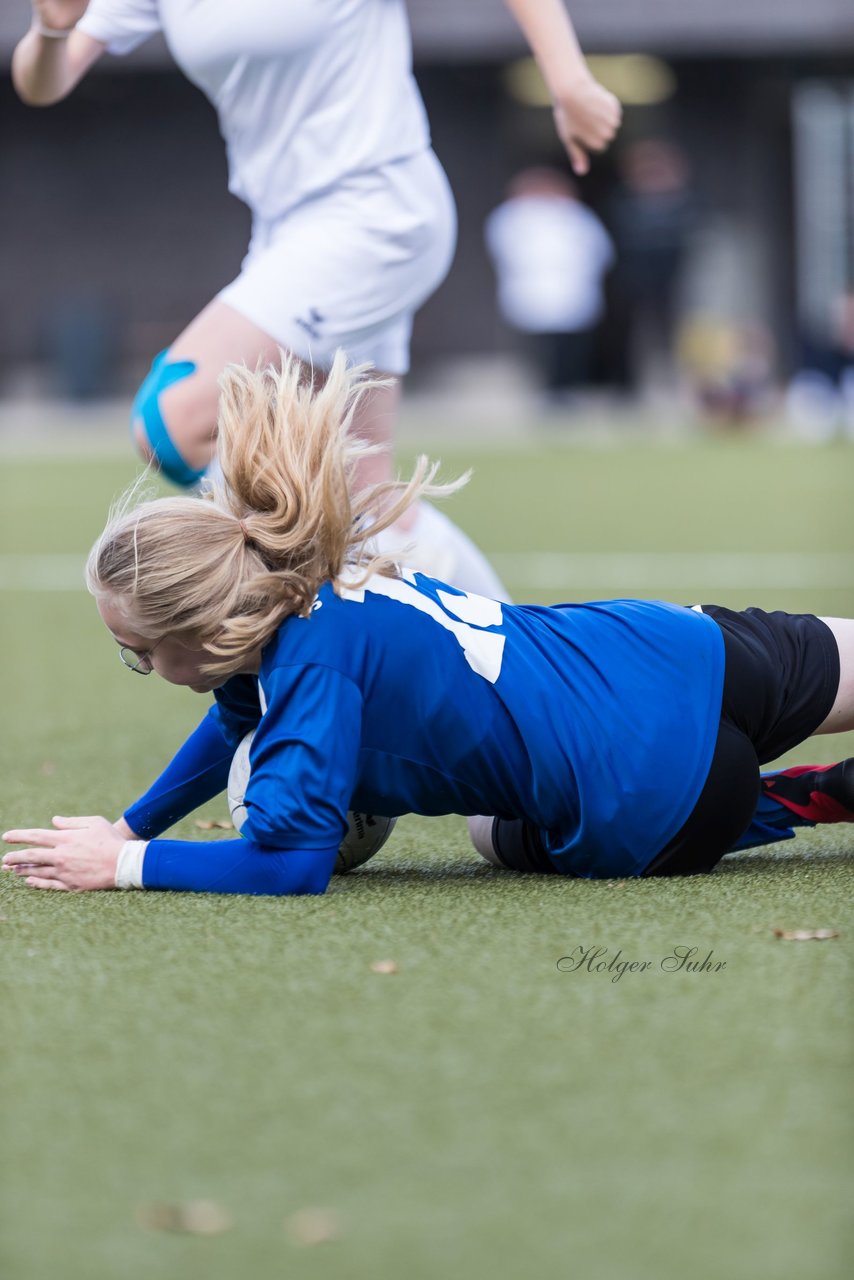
{"x": 618, "y": 738}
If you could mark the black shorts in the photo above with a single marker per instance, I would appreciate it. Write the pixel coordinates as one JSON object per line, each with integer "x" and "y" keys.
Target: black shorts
{"x": 781, "y": 676}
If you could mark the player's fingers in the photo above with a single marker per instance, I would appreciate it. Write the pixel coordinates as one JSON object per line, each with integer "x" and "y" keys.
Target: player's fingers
{"x": 75, "y": 824}
{"x": 599, "y": 135}
{"x": 44, "y": 867}
{"x": 577, "y": 157}
{"x": 602, "y": 130}
{"x": 45, "y": 882}
{"x": 609, "y": 132}
{"x": 36, "y": 836}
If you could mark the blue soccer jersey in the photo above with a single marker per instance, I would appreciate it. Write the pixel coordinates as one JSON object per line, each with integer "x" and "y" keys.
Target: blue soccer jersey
{"x": 407, "y": 695}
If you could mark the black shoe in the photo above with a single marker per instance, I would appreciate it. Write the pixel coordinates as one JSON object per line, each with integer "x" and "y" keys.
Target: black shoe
{"x": 819, "y": 793}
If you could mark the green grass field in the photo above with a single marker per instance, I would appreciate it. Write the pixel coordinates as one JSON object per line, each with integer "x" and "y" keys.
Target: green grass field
{"x": 479, "y": 1112}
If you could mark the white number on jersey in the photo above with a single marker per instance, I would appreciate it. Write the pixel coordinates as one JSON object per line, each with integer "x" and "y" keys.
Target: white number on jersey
{"x": 484, "y": 650}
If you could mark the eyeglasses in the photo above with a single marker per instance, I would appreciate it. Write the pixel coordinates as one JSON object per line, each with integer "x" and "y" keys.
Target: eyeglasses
{"x": 139, "y": 662}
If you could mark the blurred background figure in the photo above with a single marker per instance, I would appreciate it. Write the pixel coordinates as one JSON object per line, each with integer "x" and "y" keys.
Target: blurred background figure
{"x": 729, "y": 365}
{"x": 550, "y": 253}
{"x": 652, "y": 213}
{"x": 820, "y": 399}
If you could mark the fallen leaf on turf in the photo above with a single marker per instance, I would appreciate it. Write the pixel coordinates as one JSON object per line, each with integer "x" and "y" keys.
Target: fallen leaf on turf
{"x": 384, "y": 966}
{"x": 213, "y": 824}
{"x": 194, "y": 1217}
{"x": 312, "y": 1226}
{"x": 806, "y": 935}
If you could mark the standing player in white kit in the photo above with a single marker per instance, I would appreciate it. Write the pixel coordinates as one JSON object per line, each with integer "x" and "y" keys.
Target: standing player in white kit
{"x": 353, "y": 221}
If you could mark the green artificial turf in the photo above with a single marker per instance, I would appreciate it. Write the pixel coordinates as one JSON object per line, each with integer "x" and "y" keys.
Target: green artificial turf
{"x": 479, "y": 1112}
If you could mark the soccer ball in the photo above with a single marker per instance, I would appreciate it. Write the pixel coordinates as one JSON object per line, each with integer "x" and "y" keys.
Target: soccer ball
{"x": 366, "y": 835}
{"x": 366, "y": 832}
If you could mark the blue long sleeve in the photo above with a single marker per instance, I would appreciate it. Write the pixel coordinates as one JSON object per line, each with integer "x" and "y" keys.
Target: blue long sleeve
{"x": 235, "y": 866}
{"x": 197, "y": 773}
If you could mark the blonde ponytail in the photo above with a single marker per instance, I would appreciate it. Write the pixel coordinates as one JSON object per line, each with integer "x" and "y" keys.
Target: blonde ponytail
{"x": 226, "y": 571}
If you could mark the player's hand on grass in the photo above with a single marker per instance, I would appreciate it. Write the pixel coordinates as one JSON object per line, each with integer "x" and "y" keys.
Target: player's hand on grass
{"x": 77, "y": 854}
{"x": 59, "y": 15}
{"x": 587, "y": 118}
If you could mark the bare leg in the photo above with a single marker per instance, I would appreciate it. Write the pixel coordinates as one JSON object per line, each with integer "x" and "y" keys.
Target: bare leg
{"x": 841, "y": 716}
{"x": 375, "y": 421}
{"x": 219, "y": 336}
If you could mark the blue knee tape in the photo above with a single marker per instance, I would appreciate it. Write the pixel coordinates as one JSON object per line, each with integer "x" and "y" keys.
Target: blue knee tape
{"x": 146, "y": 409}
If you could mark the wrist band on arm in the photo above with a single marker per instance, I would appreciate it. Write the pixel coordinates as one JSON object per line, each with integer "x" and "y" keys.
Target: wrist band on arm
{"x": 52, "y": 33}
{"x": 129, "y": 864}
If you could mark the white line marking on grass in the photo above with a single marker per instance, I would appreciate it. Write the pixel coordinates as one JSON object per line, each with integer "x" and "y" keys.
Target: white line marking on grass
{"x": 693, "y": 570}
{"x": 626, "y": 571}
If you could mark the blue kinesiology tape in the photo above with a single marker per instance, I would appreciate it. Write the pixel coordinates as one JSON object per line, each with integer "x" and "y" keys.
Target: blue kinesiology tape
{"x": 146, "y": 409}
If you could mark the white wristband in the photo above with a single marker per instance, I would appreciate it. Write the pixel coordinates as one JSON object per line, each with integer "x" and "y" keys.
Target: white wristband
{"x": 51, "y": 32}
{"x": 129, "y": 864}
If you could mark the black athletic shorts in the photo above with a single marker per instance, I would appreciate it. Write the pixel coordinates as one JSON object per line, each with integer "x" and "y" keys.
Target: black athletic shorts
{"x": 781, "y": 676}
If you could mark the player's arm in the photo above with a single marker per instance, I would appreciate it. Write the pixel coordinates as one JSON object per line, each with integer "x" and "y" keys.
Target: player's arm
{"x": 302, "y": 778}
{"x": 80, "y": 854}
{"x": 303, "y": 773}
{"x": 87, "y": 852}
{"x": 199, "y": 770}
{"x": 230, "y": 866}
{"x": 587, "y": 116}
{"x": 45, "y": 68}
{"x": 195, "y": 774}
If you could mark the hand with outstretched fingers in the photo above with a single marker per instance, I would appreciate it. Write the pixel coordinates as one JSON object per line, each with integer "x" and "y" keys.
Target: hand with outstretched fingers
{"x": 76, "y": 854}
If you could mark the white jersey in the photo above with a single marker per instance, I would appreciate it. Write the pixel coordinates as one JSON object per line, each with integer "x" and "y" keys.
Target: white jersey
{"x": 550, "y": 257}
{"x": 308, "y": 92}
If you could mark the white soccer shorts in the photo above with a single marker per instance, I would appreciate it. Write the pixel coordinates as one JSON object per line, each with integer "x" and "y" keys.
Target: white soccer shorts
{"x": 349, "y": 268}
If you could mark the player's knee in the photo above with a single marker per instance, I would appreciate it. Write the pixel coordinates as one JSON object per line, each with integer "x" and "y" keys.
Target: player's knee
{"x": 154, "y": 437}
